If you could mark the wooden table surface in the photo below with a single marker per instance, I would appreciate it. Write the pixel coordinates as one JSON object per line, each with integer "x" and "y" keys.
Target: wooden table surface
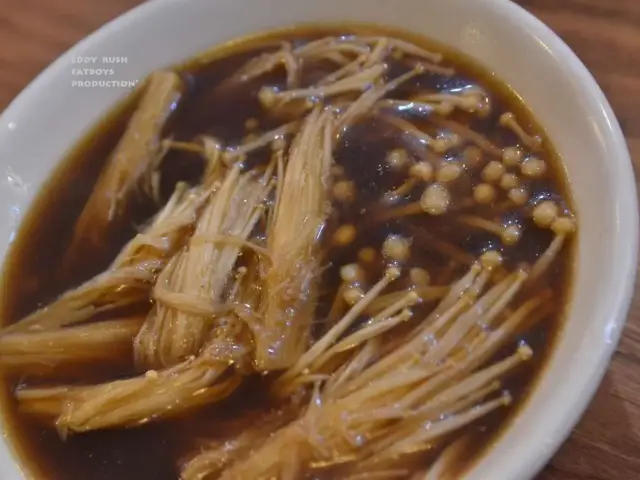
{"x": 606, "y": 36}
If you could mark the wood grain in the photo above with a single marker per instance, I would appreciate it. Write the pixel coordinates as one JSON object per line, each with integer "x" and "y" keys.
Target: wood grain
{"x": 606, "y": 36}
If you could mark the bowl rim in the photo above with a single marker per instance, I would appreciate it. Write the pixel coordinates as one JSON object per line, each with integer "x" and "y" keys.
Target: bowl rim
{"x": 626, "y": 246}
{"x": 626, "y": 238}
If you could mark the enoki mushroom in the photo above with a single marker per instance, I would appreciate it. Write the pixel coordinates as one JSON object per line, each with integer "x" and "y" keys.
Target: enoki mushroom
{"x": 153, "y": 396}
{"x": 189, "y": 291}
{"x": 292, "y": 276}
{"x": 508, "y": 120}
{"x": 131, "y": 275}
{"x": 353, "y": 265}
{"x": 414, "y": 395}
{"x": 131, "y": 164}
{"x": 49, "y": 352}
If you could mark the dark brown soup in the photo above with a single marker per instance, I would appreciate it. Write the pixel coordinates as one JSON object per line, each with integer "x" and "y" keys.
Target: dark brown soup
{"x": 397, "y": 174}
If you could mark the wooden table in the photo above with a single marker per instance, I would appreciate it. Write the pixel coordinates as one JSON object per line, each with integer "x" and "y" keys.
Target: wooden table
{"x": 604, "y": 33}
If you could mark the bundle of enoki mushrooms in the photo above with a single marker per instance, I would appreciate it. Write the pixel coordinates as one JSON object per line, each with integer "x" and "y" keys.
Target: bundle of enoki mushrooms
{"x": 196, "y": 382}
{"x": 131, "y": 166}
{"x": 190, "y": 291}
{"x": 207, "y": 338}
{"x": 199, "y": 376}
{"x": 299, "y": 215}
{"x": 379, "y": 398}
{"x": 230, "y": 270}
{"x": 128, "y": 279}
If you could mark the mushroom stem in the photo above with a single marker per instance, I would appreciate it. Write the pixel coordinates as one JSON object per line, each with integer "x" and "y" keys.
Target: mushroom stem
{"x": 415, "y": 108}
{"x": 469, "y": 135}
{"x": 546, "y": 259}
{"x": 436, "y": 244}
{"x": 409, "y": 128}
{"x": 451, "y": 456}
{"x": 262, "y": 141}
{"x": 379, "y": 325}
{"x": 350, "y": 68}
{"x": 406, "y": 48}
{"x": 508, "y": 120}
{"x": 481, "y": 223}
{"x": 425, "y": 294}
{"x": 438, "y": 429}
{"x": 368, "y": 99}
{"x": 432, "y": 68}
{"x": 190, "y": 147}
{"x": 403, "y": 190}
{"x": 339, "y": 328}
{"x": 471, "y": 102}
{"x": 413, "y": 208}
{"x": 509, "y": 235}
{"x": 47, "y": 353}
{"x": 363, "y": 61}
{"x": 357, "y": 82}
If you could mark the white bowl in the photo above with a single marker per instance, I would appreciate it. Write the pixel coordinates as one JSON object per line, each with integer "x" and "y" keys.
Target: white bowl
{"x": 52, "y": 114}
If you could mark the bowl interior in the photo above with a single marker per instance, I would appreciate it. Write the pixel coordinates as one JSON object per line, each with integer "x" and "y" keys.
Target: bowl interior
{"x": 41, "y": 125}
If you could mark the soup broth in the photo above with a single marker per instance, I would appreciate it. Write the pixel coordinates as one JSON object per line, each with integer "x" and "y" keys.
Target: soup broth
{"x": 440, "y": 174}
